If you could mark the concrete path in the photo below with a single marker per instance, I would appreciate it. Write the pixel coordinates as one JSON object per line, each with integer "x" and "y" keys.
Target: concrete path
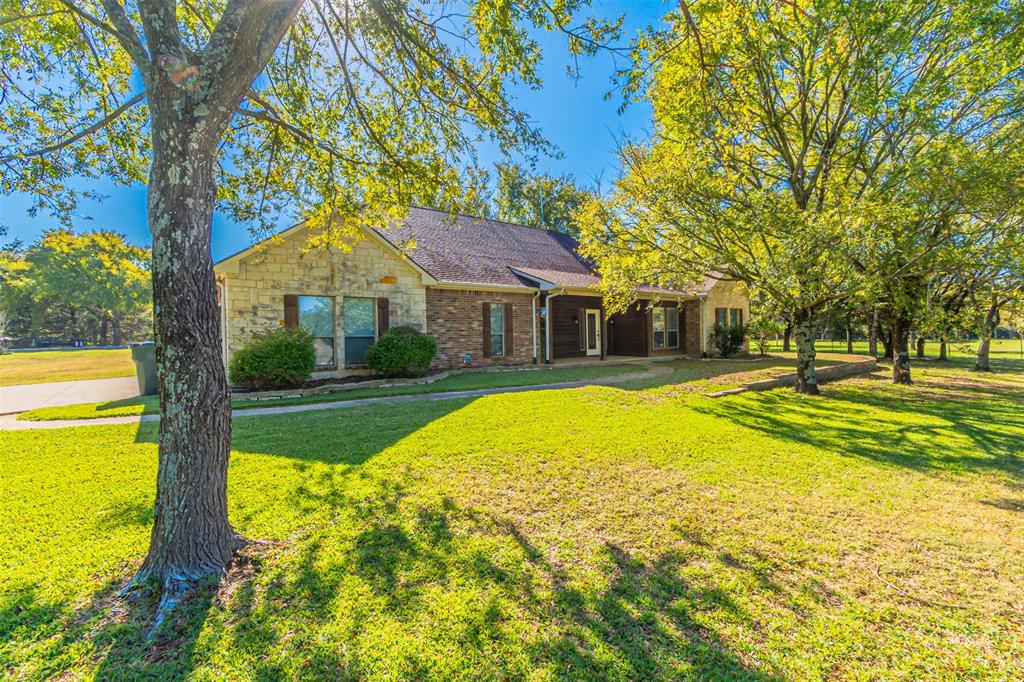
{"x": 32, "y": 396}
{"x": 9, "y": 422}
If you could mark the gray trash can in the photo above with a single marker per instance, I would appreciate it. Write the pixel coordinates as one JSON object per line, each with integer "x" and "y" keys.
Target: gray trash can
{"x": 144, "y": 355}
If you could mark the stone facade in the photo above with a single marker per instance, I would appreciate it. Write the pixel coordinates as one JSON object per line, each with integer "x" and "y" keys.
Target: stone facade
{"x": 455, "y": 319}
{"x": 254, "y": 287}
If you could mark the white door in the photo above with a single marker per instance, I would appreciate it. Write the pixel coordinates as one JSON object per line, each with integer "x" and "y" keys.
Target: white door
{"x": 593, "y": 322}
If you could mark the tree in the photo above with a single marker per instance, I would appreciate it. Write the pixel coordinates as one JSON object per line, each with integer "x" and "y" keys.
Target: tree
{"x": 543, "y": 200}
{"x": 789, "y": 136}
{"x": 764, "y": 330}
{"x": 95, "y": 271}
{"x": 340, "y": 112}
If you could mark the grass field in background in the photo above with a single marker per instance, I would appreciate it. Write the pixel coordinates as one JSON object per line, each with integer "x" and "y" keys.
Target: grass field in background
{"x": 44, "y": 367}
{"x": 1000, "y": 347}
{"x": 612, "y": 533}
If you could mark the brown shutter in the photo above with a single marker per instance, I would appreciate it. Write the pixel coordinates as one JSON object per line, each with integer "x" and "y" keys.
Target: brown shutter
{"x": 740, "y": 316}
{"x": 291, "y": 310}
{"x": 508, "y": 330}
{"x": 487, "y": 329}
{"x": 719, "y": 317}
{"x": 581, "y": 315}
{"x": 383, "y": 323}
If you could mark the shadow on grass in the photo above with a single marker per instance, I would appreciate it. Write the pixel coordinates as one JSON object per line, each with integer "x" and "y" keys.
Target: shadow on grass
{"x": 401, "y": 586}
{"x": 931, "y": 425}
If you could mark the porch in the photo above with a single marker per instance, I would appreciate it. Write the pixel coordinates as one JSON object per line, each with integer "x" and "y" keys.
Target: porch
{"x": 576, "y": 328}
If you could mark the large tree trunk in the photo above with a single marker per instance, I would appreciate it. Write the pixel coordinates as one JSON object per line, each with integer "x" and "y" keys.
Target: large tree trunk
{"x": 806, "y": 374}
{"x": 849, "y": 336}
{"x": 988, "y": 328}
{"x": 786, "y": 336}
{"x": 943, "y": 349}
{"x": 920, "y": 347}
{"x": 887, "y": 344}
{"x": 191, "y": 536}
{"x": 901, "y": 347}
{"x": 116, "y": 324}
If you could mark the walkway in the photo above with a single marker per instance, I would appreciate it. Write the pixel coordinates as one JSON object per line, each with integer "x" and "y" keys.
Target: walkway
{"x": 9, "y": 422}
{"x": 32, "y": 396}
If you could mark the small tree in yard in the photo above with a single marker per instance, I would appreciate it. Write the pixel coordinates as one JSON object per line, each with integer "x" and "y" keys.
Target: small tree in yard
{"x": 340, "y": 112}
{"x": 763, "y": 331}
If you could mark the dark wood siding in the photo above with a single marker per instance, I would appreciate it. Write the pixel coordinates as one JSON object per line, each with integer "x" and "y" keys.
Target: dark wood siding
{"x": 628, "y": 335}
{"x": 564, "y": 331}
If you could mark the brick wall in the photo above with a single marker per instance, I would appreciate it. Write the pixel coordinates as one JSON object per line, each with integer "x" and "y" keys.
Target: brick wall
{"x": 691, "y": 328}
{"x": 455, "y": 319}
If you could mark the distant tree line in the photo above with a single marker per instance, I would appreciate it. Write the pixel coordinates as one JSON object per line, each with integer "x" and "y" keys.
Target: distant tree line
{"x": 92, "y": 287}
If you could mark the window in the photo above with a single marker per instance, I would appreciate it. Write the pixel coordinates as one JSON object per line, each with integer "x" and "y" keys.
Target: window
{"x": 658, "y": 318}
{"x": 665, "y": 323}
{"x": 360, "y": 323}
{"x": 497, "y": 315}
{"x": 672, "y": 326}
{"x": 316, "y": 316}
{"x": 729, "y": 316}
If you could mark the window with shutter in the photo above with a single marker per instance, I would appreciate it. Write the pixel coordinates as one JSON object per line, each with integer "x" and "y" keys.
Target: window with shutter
{"x": 497, "y": 329}
{"x": 316, "y": 316}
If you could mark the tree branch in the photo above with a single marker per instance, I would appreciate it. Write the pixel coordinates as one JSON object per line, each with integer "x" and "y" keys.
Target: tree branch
{"x": 103, "y": 122}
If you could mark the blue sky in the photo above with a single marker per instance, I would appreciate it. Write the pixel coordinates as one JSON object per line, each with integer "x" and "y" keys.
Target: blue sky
{"x": 573, "y": 114}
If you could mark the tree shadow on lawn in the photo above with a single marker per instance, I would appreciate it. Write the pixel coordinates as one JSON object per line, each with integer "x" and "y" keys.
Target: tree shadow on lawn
{"x": 395, "y": 580}
{"x": 415, "y": 588}
{"x": 927, "y": 426}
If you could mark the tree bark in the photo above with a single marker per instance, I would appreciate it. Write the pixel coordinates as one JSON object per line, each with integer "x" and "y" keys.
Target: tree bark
{"x": 849, "y": 336}
{"x": 116, "y": 324}
{"x": 873, "y": 333}
{"x": 988, "y": 328}
{"x": 786, "y": 335}
{"x": 901, "y": 347}
{"x": 191, "y": 536}
{"x": 887, "y": 344}
{"x": 920, "y": 347}
{"x": 806, "y": 374}
{"x": 943, "y": 349}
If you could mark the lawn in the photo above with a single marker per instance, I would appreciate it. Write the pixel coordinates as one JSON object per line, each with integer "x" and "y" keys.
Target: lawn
{"x": 43, "y": 367}
{"x": 614, "y": 533}
{"x": 459, "y": 382}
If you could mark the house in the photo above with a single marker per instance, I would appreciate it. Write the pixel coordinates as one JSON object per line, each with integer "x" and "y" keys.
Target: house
{"x": 491, "y": 293}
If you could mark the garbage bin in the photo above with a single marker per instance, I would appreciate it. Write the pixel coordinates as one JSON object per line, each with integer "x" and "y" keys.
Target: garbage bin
{"x": 144, "y": 355}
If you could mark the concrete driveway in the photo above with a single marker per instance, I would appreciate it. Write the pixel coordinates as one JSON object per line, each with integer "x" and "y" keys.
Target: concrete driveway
{"x": 30, "y": 396}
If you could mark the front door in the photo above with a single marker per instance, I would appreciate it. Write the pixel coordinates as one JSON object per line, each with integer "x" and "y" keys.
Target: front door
{"x": 593, "y": 321}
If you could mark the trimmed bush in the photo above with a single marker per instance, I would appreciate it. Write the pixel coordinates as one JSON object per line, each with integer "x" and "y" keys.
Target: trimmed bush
{"x": 402, "y": 352}
{"x": 728, "y": 338}
{"x": 277, "y": 358}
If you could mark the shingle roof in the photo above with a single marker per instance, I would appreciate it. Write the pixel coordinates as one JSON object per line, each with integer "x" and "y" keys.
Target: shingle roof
{"x": 474, "y": 250}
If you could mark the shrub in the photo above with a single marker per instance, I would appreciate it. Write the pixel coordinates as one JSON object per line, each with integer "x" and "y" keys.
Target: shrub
{"x": 763, "y": 330}
{"x": 728, "y": 338}
{"x": 402, "y": 352}
{"x": 277, "y": 358}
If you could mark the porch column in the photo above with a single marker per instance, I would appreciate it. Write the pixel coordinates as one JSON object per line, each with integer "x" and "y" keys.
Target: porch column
{"x": 604, "y": 334}
{"x": 548, "y": 345}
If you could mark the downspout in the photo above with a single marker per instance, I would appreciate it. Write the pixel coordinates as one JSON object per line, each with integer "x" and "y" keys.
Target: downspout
{"x": 701, "y": 327}
{"x": 548, "y": 341}
{"x": 533, "y": 327}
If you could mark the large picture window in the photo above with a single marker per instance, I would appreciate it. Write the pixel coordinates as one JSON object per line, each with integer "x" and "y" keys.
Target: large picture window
{"x": 316, "y": 316}
{"x": 497, "y": 329}
{"x": 360, "y": 323}
{"x": 665, "y": 324}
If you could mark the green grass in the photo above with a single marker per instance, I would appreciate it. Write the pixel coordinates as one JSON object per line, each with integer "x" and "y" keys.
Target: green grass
{"x": 459, "y": 382}
{"x": 875, "y": 532}
{"x": 43, "y": 367}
